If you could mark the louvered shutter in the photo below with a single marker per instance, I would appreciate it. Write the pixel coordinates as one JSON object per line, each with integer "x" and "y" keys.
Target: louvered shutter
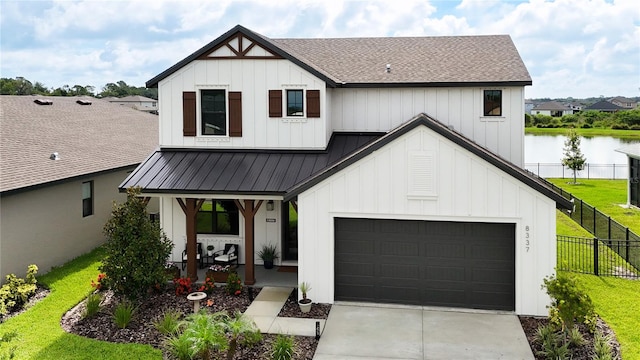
{"x": 275, "y": 103}
{"x": 313, "y": 103}
{"x": 189, "y": 113}
{"x": 235, "y": 113}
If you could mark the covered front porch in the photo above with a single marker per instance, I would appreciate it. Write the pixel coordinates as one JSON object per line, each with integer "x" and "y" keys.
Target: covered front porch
{"x": 279, "y": 276}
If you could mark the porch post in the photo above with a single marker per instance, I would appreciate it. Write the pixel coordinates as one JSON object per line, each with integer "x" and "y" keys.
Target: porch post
{"x": 249, "y": 212}
{"x": 190, "y": 209}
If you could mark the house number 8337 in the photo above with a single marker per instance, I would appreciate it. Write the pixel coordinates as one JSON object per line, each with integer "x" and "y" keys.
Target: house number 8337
{"x": 527, "y": 239}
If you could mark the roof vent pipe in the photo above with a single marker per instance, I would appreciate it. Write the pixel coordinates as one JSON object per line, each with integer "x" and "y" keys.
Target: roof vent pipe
{"x": 54, "y": 156}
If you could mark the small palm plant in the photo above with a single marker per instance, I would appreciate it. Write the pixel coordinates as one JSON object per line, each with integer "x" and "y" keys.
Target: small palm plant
{"x": 305, "y": 303}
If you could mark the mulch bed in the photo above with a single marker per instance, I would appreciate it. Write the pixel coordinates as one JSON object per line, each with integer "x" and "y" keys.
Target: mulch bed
{"x": 531, "y": 324}
{"x": 41, "y": 293}
{"x": 141, "y": 329}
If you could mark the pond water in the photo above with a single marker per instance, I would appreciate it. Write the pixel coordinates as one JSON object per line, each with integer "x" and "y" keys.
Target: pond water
{"x": 597, "y": 150}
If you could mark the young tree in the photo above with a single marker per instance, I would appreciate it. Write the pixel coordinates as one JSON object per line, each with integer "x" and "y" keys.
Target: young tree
{"x": 137, "y": 249}
{"x": 573, "y": 158}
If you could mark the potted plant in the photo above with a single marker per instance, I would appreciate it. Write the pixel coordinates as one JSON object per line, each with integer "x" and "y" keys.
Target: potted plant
{"x": 171, "y": 270}
{"x": 304, "y": 303}
{"x": 268, "y": 254}
{"x": 210, "y": 250}
{"x": 219, "y": 273}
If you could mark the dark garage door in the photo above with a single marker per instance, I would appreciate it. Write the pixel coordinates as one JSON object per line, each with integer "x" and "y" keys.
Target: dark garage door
{"x": 457, "y": 264}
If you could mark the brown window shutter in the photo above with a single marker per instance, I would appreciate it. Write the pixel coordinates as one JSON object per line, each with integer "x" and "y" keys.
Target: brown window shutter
{"x": 189, "y": 113}
{"x": 275, "y": 103}
{"x": 313, "y": 103}
{"x": 235, "y": 113}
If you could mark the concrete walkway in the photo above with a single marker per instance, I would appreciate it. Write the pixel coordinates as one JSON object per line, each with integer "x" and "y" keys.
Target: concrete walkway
{"x": 365, "y": 331}
{"x": 264, "y": 312}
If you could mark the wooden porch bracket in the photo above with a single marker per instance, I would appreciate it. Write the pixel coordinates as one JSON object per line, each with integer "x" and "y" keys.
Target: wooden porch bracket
{"x": 190, "y": 209}
{"x": 249, "y": 212}
{"x": 294, "y": 203}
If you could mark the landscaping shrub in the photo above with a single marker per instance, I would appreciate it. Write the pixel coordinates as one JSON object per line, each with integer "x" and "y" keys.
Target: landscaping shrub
{"x": 207, "y": 286}
{"x": 183, "y": 285}
{"x": 123, "y": 314}
{"x": 136, "y": 248}
{"x": 234, "y": 284}
{"x": 620, "y": 127}
{"x": 16, "y": 291}
{"x": 601, "y": 347}
{"x": 282, "y": 348}
{"x": 169, "y": 322}
{"x": 92, "y": 305}
{"x": 570, "y": 303}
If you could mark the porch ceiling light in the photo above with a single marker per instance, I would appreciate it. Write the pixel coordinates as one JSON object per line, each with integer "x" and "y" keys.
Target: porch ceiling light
{"x": 270, "y": 205}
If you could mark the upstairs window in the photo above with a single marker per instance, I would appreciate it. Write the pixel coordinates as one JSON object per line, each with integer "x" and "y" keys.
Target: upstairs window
{"x": 87, "y": 198}
{"x": 493, "y": 103}
{"x": 218, "y": 217}
{"x": 295, "y": 105}
{"x": 213, "y": 107}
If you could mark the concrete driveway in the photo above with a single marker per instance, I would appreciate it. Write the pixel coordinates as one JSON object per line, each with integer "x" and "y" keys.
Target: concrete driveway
{"x": 358, "y": 331}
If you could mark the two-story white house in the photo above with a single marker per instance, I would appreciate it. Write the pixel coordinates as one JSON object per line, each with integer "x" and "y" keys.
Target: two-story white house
{"x": 387, "y": 169}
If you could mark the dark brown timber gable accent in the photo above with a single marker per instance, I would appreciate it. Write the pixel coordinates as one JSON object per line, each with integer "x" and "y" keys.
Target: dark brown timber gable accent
{"x": 189, "y": 113}
{"x": 249, "y": 212}
{"x": 238, "y": 53}
{"x": 235, "y": 113}
{"x": 313, "y": 103}
{"x": 191, "y": 208}
{"x": 275, "y": 103}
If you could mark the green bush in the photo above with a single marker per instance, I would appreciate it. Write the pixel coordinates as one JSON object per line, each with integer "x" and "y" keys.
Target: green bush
{"x": 169, "y": 322}
{"x": 234, "y": 284}
{"x": 123, "y": 314}
{"x": 282, "y": 348}
{"x": 586, "y": 126}
{"x": 620, "y": 127}
{"x": 16, "y": 291}
{"x": 92, "y": 305}
{"x": 570, "y": 303}
{"x": 136, "y": 248}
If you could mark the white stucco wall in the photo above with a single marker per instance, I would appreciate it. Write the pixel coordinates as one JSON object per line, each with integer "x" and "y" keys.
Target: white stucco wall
{"x": 45, "y": 226}
{"x": 379, "y": 109}
{"x": 466, "y": 188}
{"x": 254, "y": 78}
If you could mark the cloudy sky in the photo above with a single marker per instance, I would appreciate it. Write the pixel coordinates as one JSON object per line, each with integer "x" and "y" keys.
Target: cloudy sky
{"x": 578, "y": 48}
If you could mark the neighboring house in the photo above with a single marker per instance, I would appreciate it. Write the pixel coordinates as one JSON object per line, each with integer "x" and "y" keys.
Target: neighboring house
{"x": 61, "y": 161}
{"x": 604, "y": 106}
{"x": 633, "y": 187}
{"x": 551, "y": 108}
{"x": 401, "y": 157}
{"x": 624, "y": 102}
{"x": 137, "y": 102}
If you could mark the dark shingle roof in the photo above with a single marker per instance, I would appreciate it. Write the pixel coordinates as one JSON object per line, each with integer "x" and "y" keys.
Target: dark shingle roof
{"x": 604, "y": 106}
{"x": 88, "y": 138}
{"x": 414, "y": 61}
{"x": 551, "y": 105}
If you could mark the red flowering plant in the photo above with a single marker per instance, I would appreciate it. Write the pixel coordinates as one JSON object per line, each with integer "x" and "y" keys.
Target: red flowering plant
{"x": 183, "y": 285}
{"x": 234, "y": 284}
{"x": 207, "y": 286}
{"x": 98, "y": 283}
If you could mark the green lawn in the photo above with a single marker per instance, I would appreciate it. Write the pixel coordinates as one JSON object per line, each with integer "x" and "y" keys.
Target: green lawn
{"x": 39, "y": 333}
{"x": 616, "y": 300}
{"x": 625, "y": 134}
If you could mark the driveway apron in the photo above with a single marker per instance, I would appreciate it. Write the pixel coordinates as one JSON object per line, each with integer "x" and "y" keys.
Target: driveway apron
{"x": 357, "y": 331}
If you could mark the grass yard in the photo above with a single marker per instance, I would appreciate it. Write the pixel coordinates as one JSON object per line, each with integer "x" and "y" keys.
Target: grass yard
{"x": 616, "y": 300}
{"x": 39, "y": 333}
{"x": 625, "y": 134}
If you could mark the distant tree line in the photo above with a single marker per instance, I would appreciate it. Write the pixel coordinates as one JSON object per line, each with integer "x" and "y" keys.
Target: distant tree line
{"x": 623, "y": 120}
{"x": 22, "y": 86}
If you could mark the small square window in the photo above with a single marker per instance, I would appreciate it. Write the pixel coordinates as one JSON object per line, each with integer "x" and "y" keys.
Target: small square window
{"x": 493, "y": 103}
{"x": 295, "y": 106}
{"x": 214, "y": 112}
{"x": 87, "y": 198}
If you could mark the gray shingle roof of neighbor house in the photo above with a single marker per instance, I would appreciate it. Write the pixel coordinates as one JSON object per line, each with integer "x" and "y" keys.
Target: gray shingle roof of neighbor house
{"x": 414, "y": 61}
{"x": 288, "y": 173}
{"x": 604, "y": 105}
{"x": 551, "y": 105}
{"x": 88, "y": 139}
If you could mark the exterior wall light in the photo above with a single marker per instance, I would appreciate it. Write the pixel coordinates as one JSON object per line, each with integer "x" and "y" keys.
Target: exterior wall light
{"x": 270, "y": 205}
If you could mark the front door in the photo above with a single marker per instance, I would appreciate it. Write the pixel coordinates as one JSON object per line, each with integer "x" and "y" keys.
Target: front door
{"x": 290, "y": 232}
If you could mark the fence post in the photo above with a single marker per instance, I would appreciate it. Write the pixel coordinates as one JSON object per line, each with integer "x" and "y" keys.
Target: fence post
{"x": 626, "y": 255}
{"x": 609, "y": 228}
{"x": 594, "y": 221}
{"x": 595, "y": 256}
{"x": 581, "y": 212}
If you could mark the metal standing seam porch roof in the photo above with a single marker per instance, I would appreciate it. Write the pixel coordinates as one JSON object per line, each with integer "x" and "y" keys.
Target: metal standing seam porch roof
{"x": 288, "y": 173}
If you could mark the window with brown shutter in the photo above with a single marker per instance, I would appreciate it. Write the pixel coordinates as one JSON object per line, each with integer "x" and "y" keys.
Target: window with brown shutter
{"x": 313, "y": 103}
{"x": 189, "y": 113}
{"x": 235, "y": 113}
{"x": 275, "y": 103}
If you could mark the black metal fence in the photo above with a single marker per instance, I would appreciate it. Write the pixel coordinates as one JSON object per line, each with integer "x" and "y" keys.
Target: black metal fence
{"x": 597, "y": 256}
{"x": 590, "y": 171}
{"x": 603, "y": 226}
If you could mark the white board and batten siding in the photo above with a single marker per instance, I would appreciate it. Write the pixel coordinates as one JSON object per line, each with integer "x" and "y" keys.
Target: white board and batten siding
{"x": 459, "y": 186}
{"x": 267, "y": 229}
{"x": 254, "y": 78}
{"x": 383, "y": 109}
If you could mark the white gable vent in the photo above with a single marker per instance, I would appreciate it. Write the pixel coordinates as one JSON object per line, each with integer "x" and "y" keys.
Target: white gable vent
{"x": 422, "y": 174}
{"x": 43, "y": 102}
{"x": 83, "y": 102}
